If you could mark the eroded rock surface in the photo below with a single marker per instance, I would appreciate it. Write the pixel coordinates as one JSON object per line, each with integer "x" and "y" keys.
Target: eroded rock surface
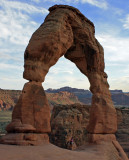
{"x": 32, "y": 109}
{"x": 69, "y": 121}
{"x": 122, "y": 133}
{"x": 30, "y": 115}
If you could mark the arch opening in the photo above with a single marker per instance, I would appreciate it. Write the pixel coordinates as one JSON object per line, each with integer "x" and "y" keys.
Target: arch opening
{"x": 64, "y": 73}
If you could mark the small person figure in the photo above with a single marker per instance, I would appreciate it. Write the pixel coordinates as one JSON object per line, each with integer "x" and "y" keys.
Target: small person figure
{"x": 71, "y": 141}
{"x": 71, "y": 144}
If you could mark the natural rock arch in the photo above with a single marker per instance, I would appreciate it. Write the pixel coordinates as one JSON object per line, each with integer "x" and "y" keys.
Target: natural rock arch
{"x": 67, "y": 32}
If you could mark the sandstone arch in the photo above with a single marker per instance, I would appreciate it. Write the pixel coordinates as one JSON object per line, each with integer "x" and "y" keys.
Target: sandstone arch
{"x": 67, "y": 32}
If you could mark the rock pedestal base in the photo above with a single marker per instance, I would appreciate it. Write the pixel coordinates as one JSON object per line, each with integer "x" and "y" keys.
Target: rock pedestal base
{"x": 30, "y": 123}
{"x": 96, "y": 138}
{"x": 25, "y": 139}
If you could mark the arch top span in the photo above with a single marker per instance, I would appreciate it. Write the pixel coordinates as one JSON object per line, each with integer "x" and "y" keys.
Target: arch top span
{"x": 72, "y": 9}
{"x": 65, "y": 31}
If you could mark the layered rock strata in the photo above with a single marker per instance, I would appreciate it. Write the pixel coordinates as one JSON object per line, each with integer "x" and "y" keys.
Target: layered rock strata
{"x": 67, "y": 32}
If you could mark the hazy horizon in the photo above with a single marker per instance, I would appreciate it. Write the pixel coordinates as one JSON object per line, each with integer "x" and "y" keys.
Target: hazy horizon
{"x": 64, "y": 87}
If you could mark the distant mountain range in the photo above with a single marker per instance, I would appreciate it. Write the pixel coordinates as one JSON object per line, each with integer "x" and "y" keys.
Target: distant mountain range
{"x": 84, "y": 96}
{"x": 64, "y": 95}
{"x": 8, "y": 98}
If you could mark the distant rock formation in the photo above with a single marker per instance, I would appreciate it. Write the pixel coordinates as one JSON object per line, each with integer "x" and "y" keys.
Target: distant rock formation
{"x": 9, "y": 98}
{"x": 121, "y": 99}
{"x": 64, "y": 95}
{"x": 83, "y": 95}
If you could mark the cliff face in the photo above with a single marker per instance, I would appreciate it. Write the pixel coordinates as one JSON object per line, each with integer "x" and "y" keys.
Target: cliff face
{"x": 123, "y": 129}
{"x": 69, "y": 121}
{"x": 8, "y": 98}
{"x": 62, "y": 97}
{"x": 120, "y": 99}
{"x": 85, "y": 96}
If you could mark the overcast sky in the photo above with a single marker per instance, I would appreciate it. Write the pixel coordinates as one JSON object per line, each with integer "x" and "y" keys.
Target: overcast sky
{"x": 20, "y": 18}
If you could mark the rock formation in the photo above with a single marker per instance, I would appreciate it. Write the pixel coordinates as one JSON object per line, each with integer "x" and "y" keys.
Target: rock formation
{"x": 122, "y": 133}
{"x": 62, "y": 98}
{"x": 31, "y": 117}
{"x": 67, "y": 32}
{"x": 69, "y": 121}
{"x": 8, "y": 99}
{"x": 83, "y": 95}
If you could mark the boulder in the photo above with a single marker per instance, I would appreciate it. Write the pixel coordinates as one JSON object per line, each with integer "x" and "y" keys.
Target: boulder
{"x": 69, "y": 121}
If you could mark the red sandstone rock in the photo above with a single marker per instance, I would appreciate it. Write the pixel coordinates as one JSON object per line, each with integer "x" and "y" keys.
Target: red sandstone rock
{"x": 120, "y": 150}
{"x": 96, "y": 138}
{"x": 67, "y": 32}
{"x": 32, "y": 109}
{"x": 25, "y": 139}
{"x": 17, "y": 126}
{"x": 69, "y": 121}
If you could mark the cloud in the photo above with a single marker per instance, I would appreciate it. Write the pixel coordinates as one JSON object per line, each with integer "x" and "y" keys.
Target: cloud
{"x": 37, "y": 1}
{"x": 12, "y": 83}
{"x": 126, "y": 22}
{"x": 20, "y": 6}
{"x": 98, "y": 3}
{"x": 9, "y": 67}
{"x": 116, "y": 48}
{"x": 9, "y": 54}
{"x": 120, "y": 83}
{"x": 116, "y": 53}
{"x": 16, "y": 25}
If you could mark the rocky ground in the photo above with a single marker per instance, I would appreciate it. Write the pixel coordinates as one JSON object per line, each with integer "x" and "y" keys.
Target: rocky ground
{"x": 105, "y": 151}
